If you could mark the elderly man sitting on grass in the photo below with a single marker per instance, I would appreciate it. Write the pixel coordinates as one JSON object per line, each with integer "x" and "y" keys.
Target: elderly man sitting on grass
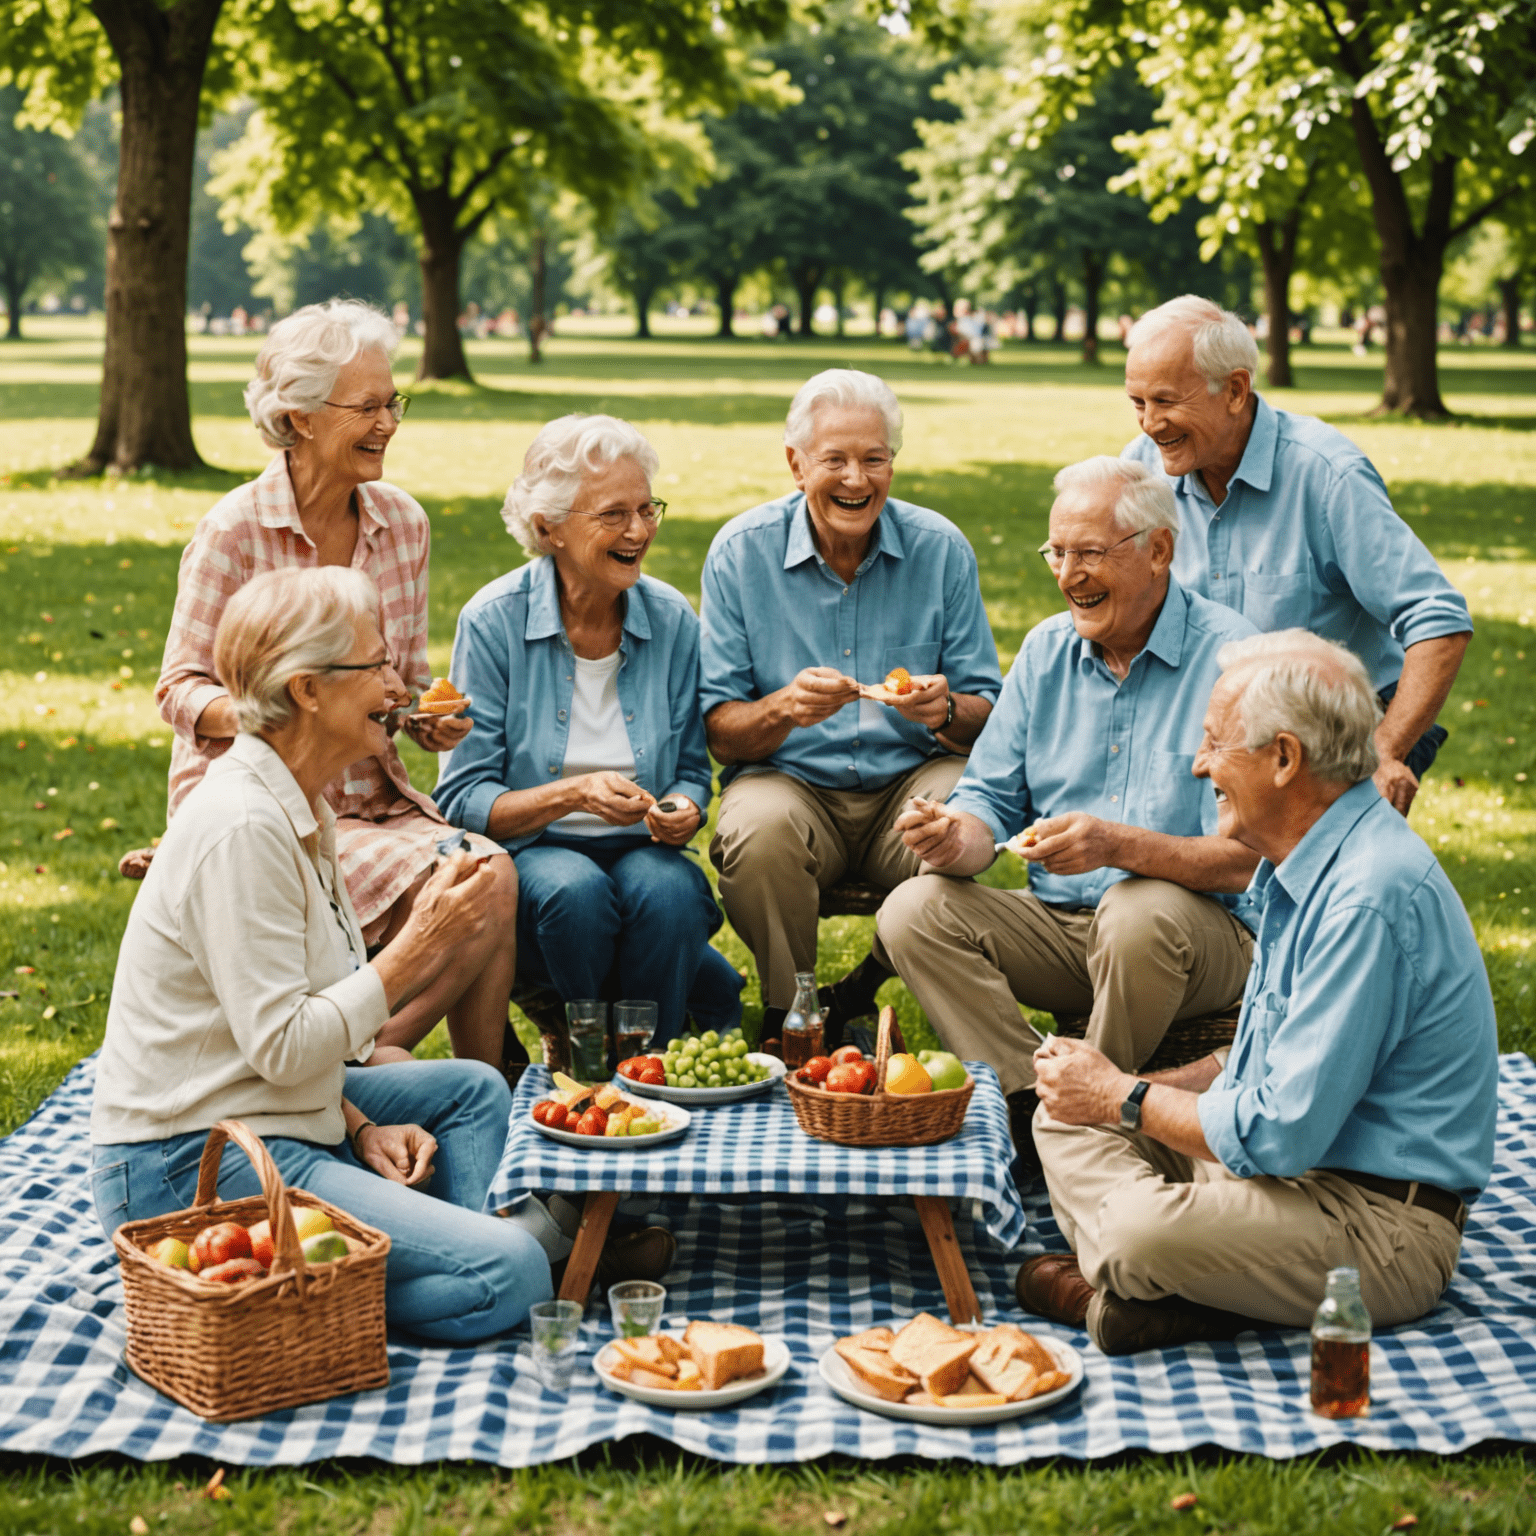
{"x": 1093, "y": 741}
{"x": 1353, "y": 1121}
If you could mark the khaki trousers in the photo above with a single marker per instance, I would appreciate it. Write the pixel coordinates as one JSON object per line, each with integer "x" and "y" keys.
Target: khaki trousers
{"x": 779, "y": 842}
{"x": 1150, "y": 953}
{"x": 1147, "y": 1222}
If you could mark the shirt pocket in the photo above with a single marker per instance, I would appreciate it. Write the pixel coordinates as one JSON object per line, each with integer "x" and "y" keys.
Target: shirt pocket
{"x": 1277, "y": 601}
{"x": 919, "y": 660}
{"x": 1173, "y": 798}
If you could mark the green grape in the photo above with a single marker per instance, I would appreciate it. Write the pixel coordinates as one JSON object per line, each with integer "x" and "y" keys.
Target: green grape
{"x": 688, "y": 1080}
{"x": 738, "y": 1048}
{"x": 710, "y": 1037}
{"x": 716, "y": 1081}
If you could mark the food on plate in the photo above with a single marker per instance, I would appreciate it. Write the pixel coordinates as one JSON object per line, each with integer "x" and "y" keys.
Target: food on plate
{"x": 935, "y": 1365}
{"x": 171, "y": 1252}
{"x": 610, "y": 1114}
{"x": 710, "y": 1060}
{"x": 906, "y": 1074}
{"x": 645, "y": 1069}
{"x": 944, "y": 1068}
{"x": 233, "y": 1271}
{"x": 218, "y": 1244}
{"x": 899, "y": 680}
{"x": 593, "y": 1122}
{"x": 707, "y": 1357}
{"x": 442, "y": 698}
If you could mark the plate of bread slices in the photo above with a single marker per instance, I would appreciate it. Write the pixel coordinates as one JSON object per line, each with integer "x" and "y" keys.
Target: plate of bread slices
{"x": 932, "y": 1373}
{"x": 706, "y": 1366}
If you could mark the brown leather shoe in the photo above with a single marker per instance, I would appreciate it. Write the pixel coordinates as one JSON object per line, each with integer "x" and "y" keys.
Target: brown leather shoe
{"x": 1122, "y": 1327}
{"x": 1052, "y": 1286}
{"x": 643, "y": 1255}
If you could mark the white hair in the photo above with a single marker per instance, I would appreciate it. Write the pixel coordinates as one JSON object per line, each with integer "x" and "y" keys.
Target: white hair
{"x": 284, "y": 623}
{"x": 1145, "y": 500}
{"x": 1223, "y": 344}
{"x": 297, "y": 366}
{"x": 564, "y": 453}
{"x": 843, "y": 387}
{"x": 1319, "y": 691}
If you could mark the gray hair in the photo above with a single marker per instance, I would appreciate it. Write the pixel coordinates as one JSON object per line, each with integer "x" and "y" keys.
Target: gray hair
{"x": 1145, "y": 500}
{"x": 564, "y": 453}
{"x": 1319, "y": 691}
{"x": 843, "y": 387}
{"x": 1223, "y": 345}
{"x": 297, "y": 366}
{"x": 284, "y": 623}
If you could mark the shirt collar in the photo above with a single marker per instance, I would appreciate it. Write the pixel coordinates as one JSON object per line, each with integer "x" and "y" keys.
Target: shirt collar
{"x": 273, "y": 772}
{"x": 885, "y": 537}
{"x": 278, "y": 507}
{"x": 1304, "y": 865}
{"x": 1257, "y": 467}
{"x": 1166, "y": 641}
{"x": 544, "y": 621}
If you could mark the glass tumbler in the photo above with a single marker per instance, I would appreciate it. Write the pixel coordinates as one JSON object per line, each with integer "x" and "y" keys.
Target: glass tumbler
{"x": 634, "y": 1025}
{"x": 637, "y": 1306}
{"x": 556, "y": 1341}
{"x": 587, "y": 1021}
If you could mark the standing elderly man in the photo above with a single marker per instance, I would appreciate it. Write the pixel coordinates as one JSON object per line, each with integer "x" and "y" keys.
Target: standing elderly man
{"x": 1287, "y": 521}
{"x": 805, "y": 599}
{"x": 1093, "y": 742}
{"x": 1353, "y": 1121}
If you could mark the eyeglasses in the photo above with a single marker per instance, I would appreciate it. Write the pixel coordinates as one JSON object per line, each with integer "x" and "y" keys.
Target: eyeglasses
{"x": 1089, "y": 559}
{"x": 397, "y": 405}
{"x": 358, "y": 666}
{"x": 837, "y": 463}
{"x": 1218, "y": 748}
{"x": 616, "y": 518}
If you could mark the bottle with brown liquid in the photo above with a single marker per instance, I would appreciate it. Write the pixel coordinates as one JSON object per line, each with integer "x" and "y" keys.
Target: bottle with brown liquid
{"x": 802, "y": 1034}
{"x": 1341, "y": 1349}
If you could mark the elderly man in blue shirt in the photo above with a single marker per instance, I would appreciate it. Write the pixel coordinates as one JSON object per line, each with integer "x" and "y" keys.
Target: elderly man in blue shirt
{"x": 1132, "y": 915}
{"x": 807, "y": 600}
{"x": 1352, "y": 1123}
{"x": 1287, "y": 521}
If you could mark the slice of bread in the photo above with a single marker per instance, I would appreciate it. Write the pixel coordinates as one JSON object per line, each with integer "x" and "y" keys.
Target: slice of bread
{"x": 1046, "y": 1381}
{"x": 1011, "y": 1361}
{"x": 972, "y": 1400}
{"x": 723, "y": 1352}
{"x": 641, "y": 1377}
{"x": 872, "y": 1338}
{"x": 938, "y": 1355}
{"x": 1026, "y": 1346}
{"x": 874, "y": 1370}
{"x": 647, "y": 1353}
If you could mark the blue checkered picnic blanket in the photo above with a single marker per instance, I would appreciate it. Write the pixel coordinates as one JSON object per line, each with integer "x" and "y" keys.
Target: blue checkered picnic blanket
{"x": 780, "y": 1264}
{"x": 756, "y": 1147}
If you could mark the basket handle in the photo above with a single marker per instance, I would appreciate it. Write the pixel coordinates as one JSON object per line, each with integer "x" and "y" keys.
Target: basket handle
{"x": 287, "y": 1253}
{"x": 888, "y": 1041}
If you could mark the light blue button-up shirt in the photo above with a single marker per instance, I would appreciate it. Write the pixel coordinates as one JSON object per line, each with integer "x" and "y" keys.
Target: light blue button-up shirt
{"x": 1067, "y": 736}
{"x": 512, "y": 657}
{"x": 772, "y": 607}
{"x": 1307, "y": 538}
{"x": 1367, "y": 1039}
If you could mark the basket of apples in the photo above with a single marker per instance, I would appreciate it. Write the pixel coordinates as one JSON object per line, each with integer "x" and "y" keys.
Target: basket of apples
{"x": 893, "y": 1101}
{"x": 237, "y": 1308}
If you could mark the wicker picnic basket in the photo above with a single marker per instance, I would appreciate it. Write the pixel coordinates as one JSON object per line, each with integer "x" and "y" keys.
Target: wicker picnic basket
{"x": 297, "y": 1335}
{"x": 881, "y": 1119}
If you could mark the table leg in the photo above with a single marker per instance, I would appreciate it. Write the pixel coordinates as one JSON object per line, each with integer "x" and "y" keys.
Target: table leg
{"x": 596, "y": 1214}
{"x": 939, "y": 1229}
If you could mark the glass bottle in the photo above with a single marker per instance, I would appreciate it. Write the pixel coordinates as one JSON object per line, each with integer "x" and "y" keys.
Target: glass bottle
{"x": 1341, "y": 1349}
{"x": 802, "y": 1024}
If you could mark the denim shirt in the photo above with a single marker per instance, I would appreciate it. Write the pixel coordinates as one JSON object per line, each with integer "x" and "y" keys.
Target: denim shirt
{"x": 512, "y": 657}
{"x": 1307, "y": 538}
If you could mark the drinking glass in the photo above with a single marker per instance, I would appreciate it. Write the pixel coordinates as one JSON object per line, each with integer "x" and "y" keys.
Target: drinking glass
{"x": 637, "y": 1306}
{"x": 634, "y": 1025}
{"x": 587, "y": 1020}
{"x": 555, "y": 1341}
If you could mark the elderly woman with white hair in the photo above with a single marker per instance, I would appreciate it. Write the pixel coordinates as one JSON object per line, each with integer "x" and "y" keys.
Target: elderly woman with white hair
{"x": 324, "y": 399}
{"x": 587, "y": 760}
{"x": 244, "y": 988}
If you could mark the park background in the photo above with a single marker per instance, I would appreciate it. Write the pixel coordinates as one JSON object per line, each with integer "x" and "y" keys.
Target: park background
{"x": 839, "y": 169}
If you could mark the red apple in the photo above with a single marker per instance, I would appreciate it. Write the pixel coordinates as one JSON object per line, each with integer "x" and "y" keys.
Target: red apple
{"x": 816, "y": 1069}
{"x": 233, "y": 1271}
{"x": 261, "y": 1243}
{"x": 217, "y": 1245}
{"x": 868, "y": 1072}
{"x": 845, "y": 1053}
{"x": 845, "y": 1078}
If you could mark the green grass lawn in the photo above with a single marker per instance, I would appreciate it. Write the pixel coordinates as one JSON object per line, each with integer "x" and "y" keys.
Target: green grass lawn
{"x": 89, "y": 571}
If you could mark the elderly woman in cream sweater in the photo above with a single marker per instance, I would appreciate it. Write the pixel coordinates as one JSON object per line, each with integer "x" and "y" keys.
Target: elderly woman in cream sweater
{"x": 244, "y": 990}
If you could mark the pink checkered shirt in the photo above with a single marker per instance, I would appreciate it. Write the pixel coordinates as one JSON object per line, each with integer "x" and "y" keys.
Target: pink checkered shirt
{"x": 257, "y": 528}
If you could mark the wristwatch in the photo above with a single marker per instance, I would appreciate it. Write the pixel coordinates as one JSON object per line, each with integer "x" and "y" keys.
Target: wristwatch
{"x": 949, "y": 718}
{"x": 1130, "y": 1111}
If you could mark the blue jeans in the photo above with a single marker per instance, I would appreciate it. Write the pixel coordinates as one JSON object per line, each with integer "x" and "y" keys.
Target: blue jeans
{"x": 591, "y": 906}
{"x": 453, "y": 1275}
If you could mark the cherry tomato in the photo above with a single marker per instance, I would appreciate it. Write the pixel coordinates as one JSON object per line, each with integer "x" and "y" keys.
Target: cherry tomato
{"x": 631, "y": 1065}
{"x": 541, "y": 1111}
{"x": 654, "y": 1077}
{"x": 593, "y": 1123}
{"x": 659, "y": 1062}
{"x": 846, "y": 1053}
{"x": 557, "y": 1117}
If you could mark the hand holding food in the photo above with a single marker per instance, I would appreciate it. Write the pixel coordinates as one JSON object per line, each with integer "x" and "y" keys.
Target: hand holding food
{"x": 673, "y": 821}
{"x": 817, "y": 693}
{"x": 930, "y": 831}
{"x": 442, "y": 698}
{"x": 619, "y": 801}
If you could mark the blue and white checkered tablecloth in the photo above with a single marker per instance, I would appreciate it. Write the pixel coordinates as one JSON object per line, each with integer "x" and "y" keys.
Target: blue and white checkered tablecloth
{"x": 810, "y": 1271}
{"x": 756, "y": 1147}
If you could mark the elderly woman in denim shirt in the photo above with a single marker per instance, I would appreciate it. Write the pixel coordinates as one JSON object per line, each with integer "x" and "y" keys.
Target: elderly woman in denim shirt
{"x": 587, "y": 760}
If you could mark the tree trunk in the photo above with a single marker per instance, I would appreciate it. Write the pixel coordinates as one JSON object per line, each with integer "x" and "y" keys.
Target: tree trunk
{"x": 725, "y": 297}
{"x": 1059, "y": 309}
{"x": 1029, "y": 302}
{"x": 1509, "y": 296}
{"x": 807, "y": 281}
{"x": 442, "y": 248}
{"x": 1277, "y": 252}
{"x": 1093, "y": 281}
{"x": 15, "y": 291}
{"x": 144, "y": 415}
{"x": 642, "y": 296}
{"x": 537, "y": 298}
{"x": 839, "y": 288}
{"x": 877, "y": 299}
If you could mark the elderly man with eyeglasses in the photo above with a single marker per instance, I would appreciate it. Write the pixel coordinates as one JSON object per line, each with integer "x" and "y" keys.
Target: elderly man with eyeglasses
{"x": 1288, "y": 522}
{"x": 1134, "y": 912}
{"x": 808, "y": 600}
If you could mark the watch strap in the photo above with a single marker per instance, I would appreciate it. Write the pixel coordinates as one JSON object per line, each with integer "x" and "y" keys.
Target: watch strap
{"x": 1130, "y": 1111}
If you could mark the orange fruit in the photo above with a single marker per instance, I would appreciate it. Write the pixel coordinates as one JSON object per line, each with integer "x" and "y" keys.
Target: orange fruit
{"x": 906, "y": 1074}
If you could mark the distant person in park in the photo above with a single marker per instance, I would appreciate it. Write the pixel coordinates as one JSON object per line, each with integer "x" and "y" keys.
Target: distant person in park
{"x": 324, "y": 398}
{"x": 587, "y": 761}
{"x": 1352, "y": 1122}
{"x": 1132, "y": 915}
{"x": 245, "y": 990}
{"x": 1286, "y": 520}
{"x": 805, "y": 599}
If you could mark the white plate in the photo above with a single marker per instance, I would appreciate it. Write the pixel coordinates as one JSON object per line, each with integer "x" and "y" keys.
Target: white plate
{"x": 834, "y": 1371}
{"x": 776, "y": 1070}
{"x": 679, "y": 1121}
{"x": 775, "y": 1364}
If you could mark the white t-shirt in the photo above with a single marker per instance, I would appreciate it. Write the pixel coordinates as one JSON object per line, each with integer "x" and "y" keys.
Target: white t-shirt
{"x": 597, "y": 739}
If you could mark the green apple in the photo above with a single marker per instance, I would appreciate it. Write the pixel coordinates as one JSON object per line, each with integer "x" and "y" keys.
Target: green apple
{"x": 324, "y": 1248}
{"x": 945, "y": 1068}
